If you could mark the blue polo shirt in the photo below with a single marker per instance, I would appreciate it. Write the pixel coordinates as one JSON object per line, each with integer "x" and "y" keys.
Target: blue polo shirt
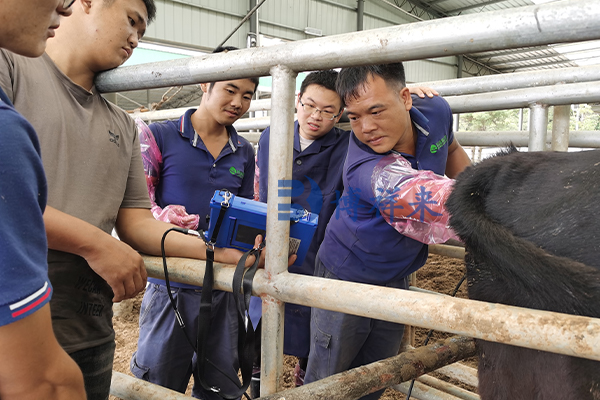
{"x": 359, "y": 245}
{"x": 317, "y": 175}
{"x": 190, "y": 174}
{"x": 24, "y": 284}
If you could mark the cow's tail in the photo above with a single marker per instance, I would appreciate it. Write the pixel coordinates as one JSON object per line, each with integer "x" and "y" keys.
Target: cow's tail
{"x": 511, "y": 260}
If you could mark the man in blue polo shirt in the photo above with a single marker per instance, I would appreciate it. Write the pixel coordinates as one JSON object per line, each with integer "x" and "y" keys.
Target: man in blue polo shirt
{"x": 319, "y": 154}
{"x": 360, "y": 245}
{"x": 197, "y": 154}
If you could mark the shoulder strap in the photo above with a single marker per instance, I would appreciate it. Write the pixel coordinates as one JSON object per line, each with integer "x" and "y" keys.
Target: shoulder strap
{"x": 242, "y": 290}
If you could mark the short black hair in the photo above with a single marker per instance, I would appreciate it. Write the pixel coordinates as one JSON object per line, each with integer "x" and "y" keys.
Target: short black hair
{"x": 351, "y": 80}
{"x": 150, "y": 8}
{"x": 226, "y": 49}
{"x": 326, "y": 79}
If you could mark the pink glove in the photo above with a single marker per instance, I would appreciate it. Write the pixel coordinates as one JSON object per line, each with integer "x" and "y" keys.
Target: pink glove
{"x": 412, "y": 201}
{"x": 176, "y": 215}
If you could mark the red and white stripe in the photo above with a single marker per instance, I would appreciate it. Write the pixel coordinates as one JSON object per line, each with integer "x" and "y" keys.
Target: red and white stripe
{"x": 30, "y": 302}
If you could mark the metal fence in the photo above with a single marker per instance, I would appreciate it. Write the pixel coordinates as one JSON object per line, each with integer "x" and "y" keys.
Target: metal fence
{"x": 563, "y": 21}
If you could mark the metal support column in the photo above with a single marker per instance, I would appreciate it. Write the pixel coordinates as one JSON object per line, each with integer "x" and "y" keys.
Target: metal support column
{"x": 459, "y": 75}
{"x": 280, "y": 175}
{"x": 560, "y": 128}
{"x": 538, "y": 126}
{"x": 520, "y": 119}
{"x": 360, "y": 15}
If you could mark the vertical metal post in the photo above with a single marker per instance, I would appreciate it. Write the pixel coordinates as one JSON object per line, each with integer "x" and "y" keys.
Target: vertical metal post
{"x": 459, "y": 74}
{"x": 520, "y": 119}
{"x": 281, "y": 144}
{"x": 360, "y": 15}
{"x": 538, "y": 126}
{"x": 560, "y": 128}
{"x": 408, "y": 338}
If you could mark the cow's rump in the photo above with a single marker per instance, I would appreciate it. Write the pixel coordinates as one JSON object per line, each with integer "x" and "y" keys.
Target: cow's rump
{"x": 531, "y": 228}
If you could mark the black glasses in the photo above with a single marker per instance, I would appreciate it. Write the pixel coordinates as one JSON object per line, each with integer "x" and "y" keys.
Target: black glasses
{"x": 312, "y": 109}
{"x": 68, "y": 3}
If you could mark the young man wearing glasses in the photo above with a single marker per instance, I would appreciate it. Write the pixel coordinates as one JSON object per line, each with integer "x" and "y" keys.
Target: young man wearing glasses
{"x": 319, "y": 153}
{"x": 33, "y": 365}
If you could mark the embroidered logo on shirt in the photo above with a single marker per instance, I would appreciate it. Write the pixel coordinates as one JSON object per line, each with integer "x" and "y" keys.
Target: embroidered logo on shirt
{"x": 114, "y": 138}
{"x": 435, "y": 147}
{"x": 236, "y": 172}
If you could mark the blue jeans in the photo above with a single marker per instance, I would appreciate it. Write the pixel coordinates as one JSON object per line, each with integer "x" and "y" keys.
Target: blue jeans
{"x": 96, "y": 364}
{"x": 164, "y": 355}
{"x": 340, "y": 342}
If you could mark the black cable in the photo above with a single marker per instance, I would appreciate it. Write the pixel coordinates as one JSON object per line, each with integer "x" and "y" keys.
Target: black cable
{"x": 430, "y": 333}
{"x": 174, "y": 305}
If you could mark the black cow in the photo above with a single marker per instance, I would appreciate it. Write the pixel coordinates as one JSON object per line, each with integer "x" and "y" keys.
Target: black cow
{"x": 531, "y": 226}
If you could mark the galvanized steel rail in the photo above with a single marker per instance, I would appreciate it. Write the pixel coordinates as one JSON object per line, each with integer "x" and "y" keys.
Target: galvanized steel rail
{"x": 558, "y": 22}
{"x": 541, "y": 330}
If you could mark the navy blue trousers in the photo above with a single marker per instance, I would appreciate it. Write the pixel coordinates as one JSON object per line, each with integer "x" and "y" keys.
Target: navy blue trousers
{"x": 340, "y": 342}
{"x": 164, "y": 355}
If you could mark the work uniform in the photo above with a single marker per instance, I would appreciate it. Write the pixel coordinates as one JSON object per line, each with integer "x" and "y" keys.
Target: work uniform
{"x": 189, "y": 176}
{"x": 317, "y": 176}
{"x": 24, "y": 283}
{"x": 360, "y": 246}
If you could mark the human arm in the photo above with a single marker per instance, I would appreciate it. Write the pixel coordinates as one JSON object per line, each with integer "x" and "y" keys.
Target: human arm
{"x": 152, "y": 160}
{"x": 256, "y": 196}
{"x": 422, "y": 91}
{"x": 32, "y": 362}
{"x": 116, "y": 262}
{"x": 138, "y": 228}
{"x": 34, "y": 366}
{"x": 457, "y": 161}
{"x": 412, "y": 201}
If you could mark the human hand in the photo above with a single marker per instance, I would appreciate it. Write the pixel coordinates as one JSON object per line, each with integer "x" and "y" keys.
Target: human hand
{"x": 176, "y": 215}
{"x": 119, "y": 265}
{"x": 232, "y": 256}
{"x": 423, "y": 91}
{"x": 261, "y": 263}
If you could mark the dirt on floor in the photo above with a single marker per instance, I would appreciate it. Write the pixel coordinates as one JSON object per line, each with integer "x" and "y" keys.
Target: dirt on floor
{"x": 440, "y": 274}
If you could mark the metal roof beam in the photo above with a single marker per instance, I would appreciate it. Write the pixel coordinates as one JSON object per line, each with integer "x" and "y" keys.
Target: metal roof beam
{"x": 514, "y": 66}
{"x": 506, "y": 57}
{"x": 428, "y": 8}
{"x": 520, "y": 50}
{"x": 483, "y": 4}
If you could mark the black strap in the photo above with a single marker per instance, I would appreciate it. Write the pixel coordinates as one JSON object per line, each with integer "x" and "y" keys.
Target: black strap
{"x": 242, "y": 291}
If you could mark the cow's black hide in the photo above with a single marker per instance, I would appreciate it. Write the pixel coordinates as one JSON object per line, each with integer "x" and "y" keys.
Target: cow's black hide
{"x": 531, "y": 226}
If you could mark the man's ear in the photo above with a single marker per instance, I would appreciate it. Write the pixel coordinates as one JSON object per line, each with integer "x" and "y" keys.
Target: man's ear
{"x": 406, "y": 98}
{"x": 339, "y": 116}
{"x": 204, "y": 87}
{"x": 298, "y": 101}
{"x": 86, "y": 5}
